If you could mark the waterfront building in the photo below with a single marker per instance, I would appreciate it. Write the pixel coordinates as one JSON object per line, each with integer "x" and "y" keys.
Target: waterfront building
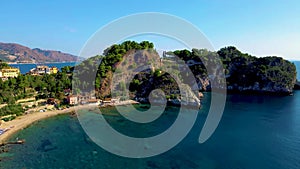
{"x": 72, "y": 100}
{"x": 41, "y": 70}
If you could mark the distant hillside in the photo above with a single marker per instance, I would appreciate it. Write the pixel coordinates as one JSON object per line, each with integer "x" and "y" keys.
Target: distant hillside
{"x": 11, "y": 52}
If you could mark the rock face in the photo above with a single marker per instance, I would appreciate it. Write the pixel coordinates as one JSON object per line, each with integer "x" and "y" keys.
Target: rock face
{"x": 153, "y": 84}
{"x": 297, "y": 86}
{"x": 11, "y": 52}
{"x": 191, "y": 98}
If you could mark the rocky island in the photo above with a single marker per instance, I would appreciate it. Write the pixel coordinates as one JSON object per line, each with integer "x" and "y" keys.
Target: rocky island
{"x": 118, "y": 69}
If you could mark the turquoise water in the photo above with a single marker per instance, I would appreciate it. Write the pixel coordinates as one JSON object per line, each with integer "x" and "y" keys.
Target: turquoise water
{"x": 255, "y": 132}
{"x": 24, "y": 68}
{"x": 297, "y": 63}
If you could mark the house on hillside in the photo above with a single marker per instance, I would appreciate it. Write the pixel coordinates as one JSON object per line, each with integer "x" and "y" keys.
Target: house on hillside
{"x": 10, "y": 72}
{"x": 53, "y": 70}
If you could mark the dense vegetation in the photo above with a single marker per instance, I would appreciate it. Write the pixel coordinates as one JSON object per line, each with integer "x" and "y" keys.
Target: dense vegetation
{"x": 115, "y": 54}
{"x": 27, "y": 86}
{"x": 266, "y": 72}
{"x": 11, "y": 109}
{"x": 24, "y": 86}
{"x": 102, "y": 67}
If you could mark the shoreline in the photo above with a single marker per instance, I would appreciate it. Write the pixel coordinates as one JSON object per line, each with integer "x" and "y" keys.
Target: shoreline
{"x": 24, "y": 121}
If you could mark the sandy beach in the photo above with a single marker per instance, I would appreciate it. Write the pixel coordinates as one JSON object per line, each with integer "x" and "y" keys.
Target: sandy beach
{"x": 24, "y": 121}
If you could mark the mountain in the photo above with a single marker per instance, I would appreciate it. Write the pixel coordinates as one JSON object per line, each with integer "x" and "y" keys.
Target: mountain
{"x": 12, "y": 52}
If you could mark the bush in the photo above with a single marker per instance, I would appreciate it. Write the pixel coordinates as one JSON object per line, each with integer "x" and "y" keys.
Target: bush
{"x": 8, "y": 118}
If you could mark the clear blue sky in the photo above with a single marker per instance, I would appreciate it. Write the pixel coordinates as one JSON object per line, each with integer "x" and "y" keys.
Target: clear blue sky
{"x": 258, "y": 27}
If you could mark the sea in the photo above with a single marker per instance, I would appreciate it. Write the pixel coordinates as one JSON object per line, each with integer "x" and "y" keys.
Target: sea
{"x": 25, "y": 68}
{"x": 254, "y": 132}
{"x": 297, "y": 63}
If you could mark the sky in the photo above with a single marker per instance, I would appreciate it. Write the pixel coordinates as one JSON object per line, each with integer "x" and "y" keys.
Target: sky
{"x": 257, "y": 27}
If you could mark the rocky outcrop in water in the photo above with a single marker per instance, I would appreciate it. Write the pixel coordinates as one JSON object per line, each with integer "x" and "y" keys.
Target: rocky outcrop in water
{"x": 244, "y": 73}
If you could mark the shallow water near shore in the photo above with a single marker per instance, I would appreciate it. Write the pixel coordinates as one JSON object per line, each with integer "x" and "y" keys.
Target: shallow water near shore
{"x": 255, "y": 132}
